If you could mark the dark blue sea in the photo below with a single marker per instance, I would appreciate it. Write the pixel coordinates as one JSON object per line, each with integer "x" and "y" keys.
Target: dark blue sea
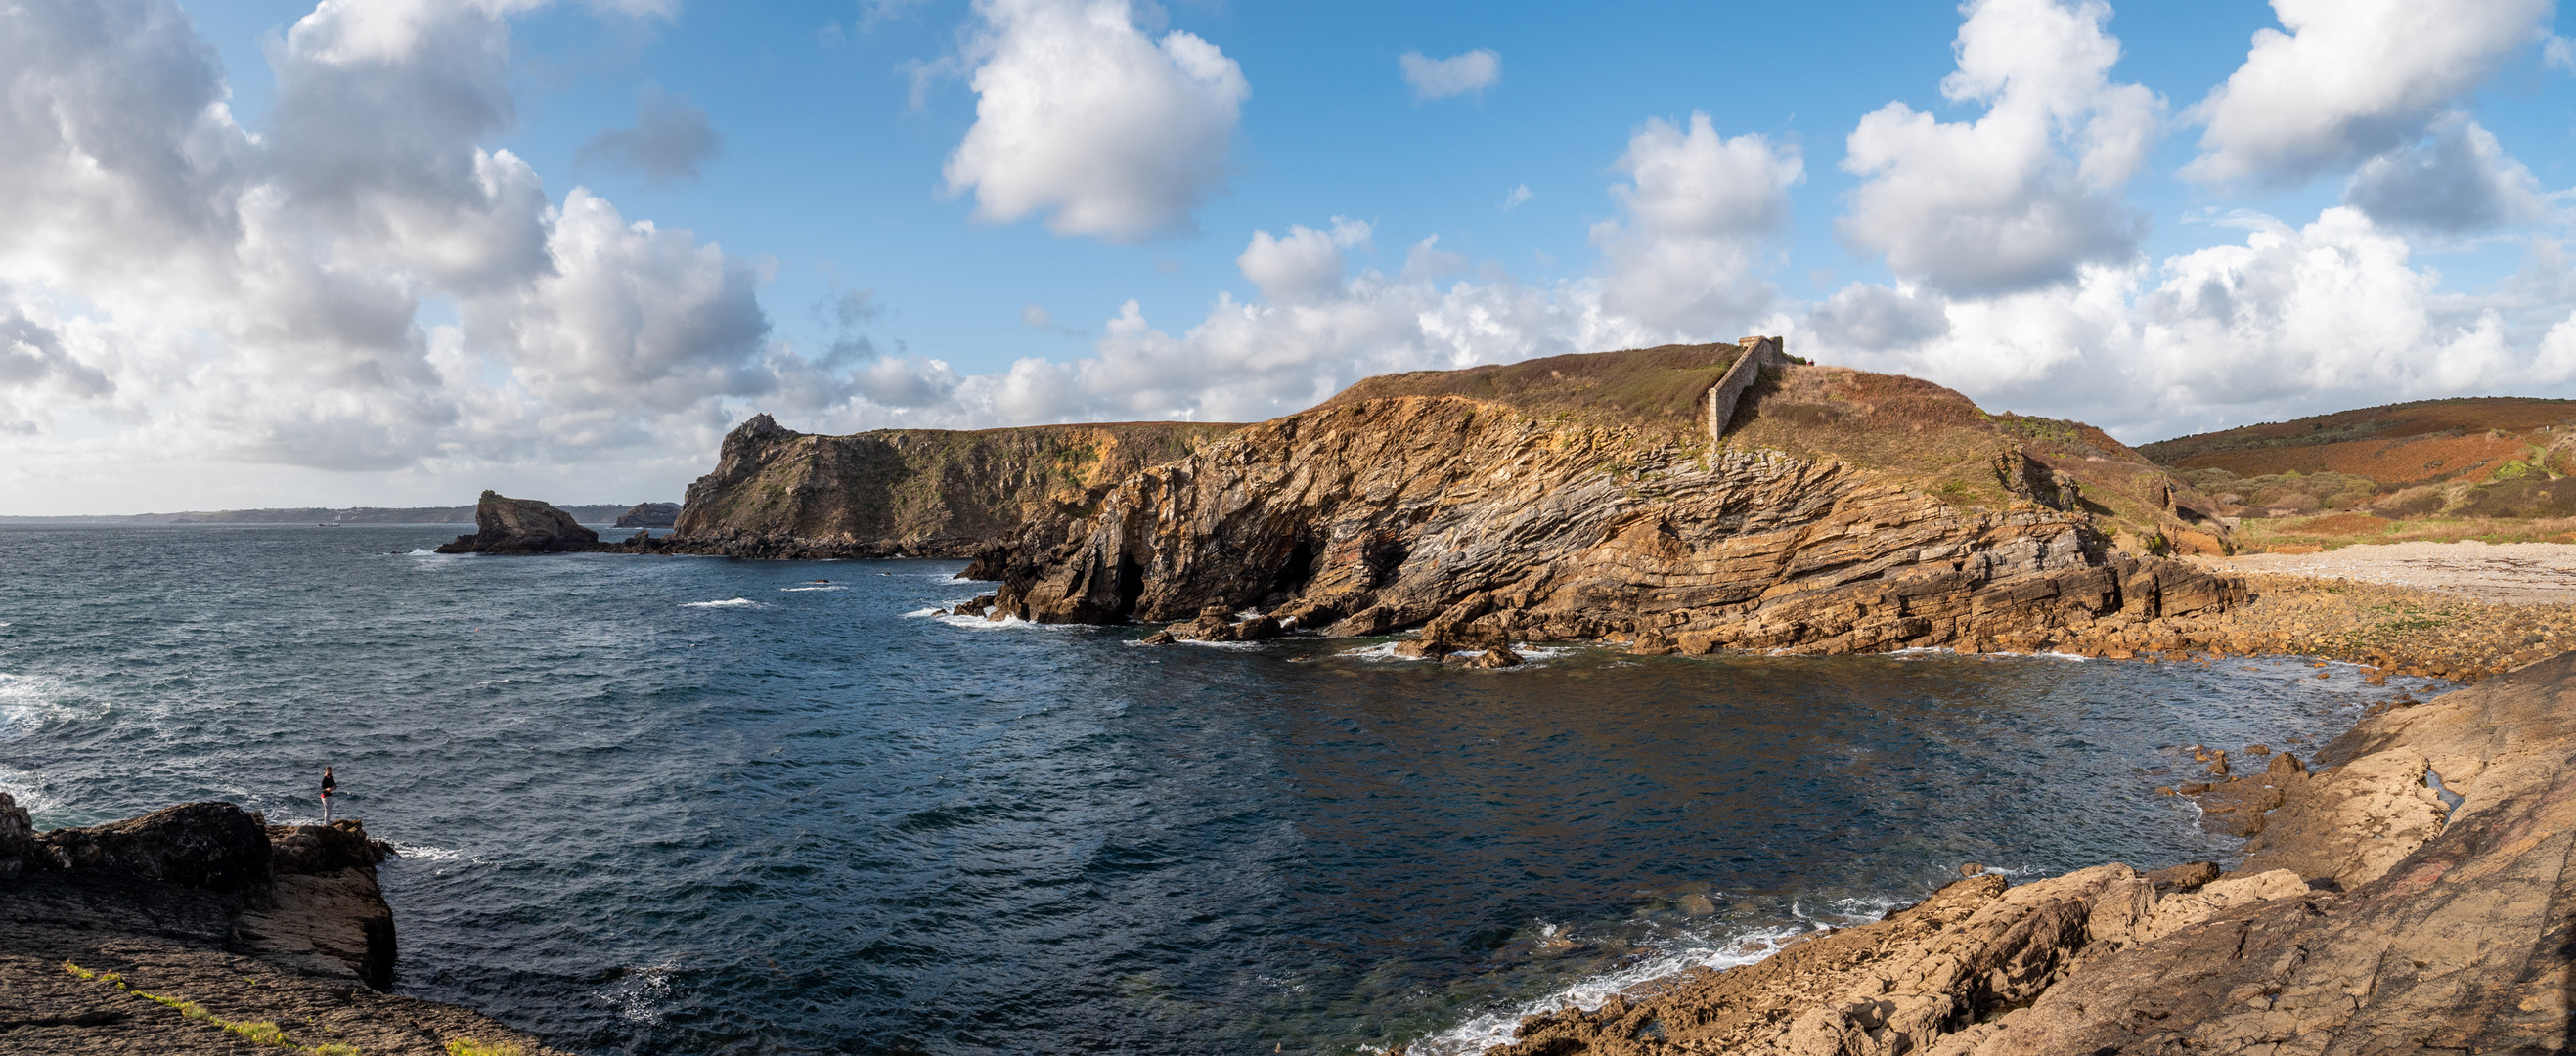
{"x": 693, "y": 805}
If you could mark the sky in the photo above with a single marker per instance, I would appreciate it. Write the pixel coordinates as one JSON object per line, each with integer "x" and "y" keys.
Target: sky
{"x": 394, "y": 252}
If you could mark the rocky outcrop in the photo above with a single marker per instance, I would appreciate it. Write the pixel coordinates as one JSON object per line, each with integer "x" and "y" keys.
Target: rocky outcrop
{"x": 2374, "y": 915}
{"x": 505, "y": 525}
{"x": 149, "y": 935}
{"x": 650, "y": 515}
{"x": 778, "y": 493}
{"x": 1482, "y": 524}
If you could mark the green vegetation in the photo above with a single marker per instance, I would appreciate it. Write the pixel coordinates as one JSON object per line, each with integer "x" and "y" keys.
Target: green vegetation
{"x": 471, "y": 1047}
{"x": 1655, "y": 390}
{"x": 262, "y": 1032}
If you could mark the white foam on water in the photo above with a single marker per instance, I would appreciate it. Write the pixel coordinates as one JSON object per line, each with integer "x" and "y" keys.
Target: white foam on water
{"x": 1236, "y": 646}
{"x": 1489, "y": 1029}
{"x": 791, "y": 590}
{"x": 25, "y": 701}
{"x": 919, "y": 613}
{"x": 1677, "y": 955}
{"x": 728, "y": 603}
{"x": 1006, "y": 623}
{"x": 1382, "y": 651}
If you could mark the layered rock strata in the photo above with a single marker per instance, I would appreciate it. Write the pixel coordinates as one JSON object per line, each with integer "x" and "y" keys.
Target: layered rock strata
{"x": 778, "y": 493}
{"x": 1483, "y": 525}
{"x": 504, "y": 525}
{"x": 2412, "y": 897}
{"x": 206, "y": 907}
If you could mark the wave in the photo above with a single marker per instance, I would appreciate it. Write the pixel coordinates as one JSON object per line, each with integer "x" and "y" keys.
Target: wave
{"x": 728, "y": 603}
{"x": 1683, "y": 952}
{"x": 791, "y": 590}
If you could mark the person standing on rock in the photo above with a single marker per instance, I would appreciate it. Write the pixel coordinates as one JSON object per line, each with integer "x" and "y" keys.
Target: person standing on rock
{"x": 328, "y": 784}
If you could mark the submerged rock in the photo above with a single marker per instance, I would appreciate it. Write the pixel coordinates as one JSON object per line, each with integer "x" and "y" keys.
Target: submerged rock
{"x": 505, "y": 525}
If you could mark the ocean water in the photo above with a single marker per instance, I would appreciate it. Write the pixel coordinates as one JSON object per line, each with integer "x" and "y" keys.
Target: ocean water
{"x": 692, "y": 805}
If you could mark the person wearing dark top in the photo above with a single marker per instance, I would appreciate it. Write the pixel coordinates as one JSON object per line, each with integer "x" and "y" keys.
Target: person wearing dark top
{"x": 327, "y": 785}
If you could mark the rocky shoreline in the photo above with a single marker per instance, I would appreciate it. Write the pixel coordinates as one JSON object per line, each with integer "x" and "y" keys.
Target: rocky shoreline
{"x": 2407, "y": 895}
{"x": 200, "y": 928}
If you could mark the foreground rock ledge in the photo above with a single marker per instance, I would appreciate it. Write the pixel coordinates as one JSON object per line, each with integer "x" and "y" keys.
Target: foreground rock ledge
{"x": 2369, "y": 919}
{"x": 206, "y": 903}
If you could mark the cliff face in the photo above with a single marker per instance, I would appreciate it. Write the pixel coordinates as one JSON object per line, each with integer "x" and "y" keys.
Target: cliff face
{"x": 1484, "y": 522}
{"x": 2374, "y": 917}
{"x": 919, "y": 492}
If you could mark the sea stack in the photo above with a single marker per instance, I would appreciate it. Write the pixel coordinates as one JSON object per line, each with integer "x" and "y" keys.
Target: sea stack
{"x": 505, "y": 525}
{"x": 650, "y": 515}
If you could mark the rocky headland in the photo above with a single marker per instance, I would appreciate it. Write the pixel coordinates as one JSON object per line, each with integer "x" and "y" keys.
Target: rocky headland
{"x": 504, "y": 525}
{"x": 2406, "y": 893}
{"x": 778, "y": 493}
{"x": 200, "y": 928}
{"x": 1687, "y": 498}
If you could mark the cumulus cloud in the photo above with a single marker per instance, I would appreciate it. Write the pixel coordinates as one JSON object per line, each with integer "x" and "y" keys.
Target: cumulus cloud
{"x": 2457, "y": 180}
{"x": 1699, "y": 209}
{"x": 2351, "y": 79}
{"x": 1520, "y": 195}
{"x": 2027, "y": 194}
{"x": 1462, "y": 74}
{"x": 1871, "y": 318}
{"x": 669, "y": 141}
{"x": 1304, "y": 266}
{"x": 1082, "y": 116}
{"x": 211, "y": 292}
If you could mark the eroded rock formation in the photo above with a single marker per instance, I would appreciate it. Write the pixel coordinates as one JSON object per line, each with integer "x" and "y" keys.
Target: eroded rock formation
{"x": 778, "y": 493}
{"x": 505, "y": 525}
{"x": 2373, "y": 916}
{"x": 1483, "y": 524}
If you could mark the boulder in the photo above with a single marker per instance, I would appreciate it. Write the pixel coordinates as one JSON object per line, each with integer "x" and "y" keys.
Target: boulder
{"x": 212, "y": 845}
{"x": 505, "y": 525}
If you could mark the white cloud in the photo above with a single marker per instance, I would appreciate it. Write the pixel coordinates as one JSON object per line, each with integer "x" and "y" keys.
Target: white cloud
{"x": 1080, "y": 115}
{"x": 2458, "y": 180}
{"x": 2559, "y": 52}
{"x": 1699, "y": 209}
{"x": 2026, "y": 195}
{"x": 1460, "y": 74}
{"x": 2290, "y": 321}
{"x": 175, "y": 289}
{"x": 2352, "y": 79}
{"x": 1304, "y": 266}
{"x": 1520, "y": 195}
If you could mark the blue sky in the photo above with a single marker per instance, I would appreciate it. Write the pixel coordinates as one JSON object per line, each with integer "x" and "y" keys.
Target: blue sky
{"x": 426, "y": 324}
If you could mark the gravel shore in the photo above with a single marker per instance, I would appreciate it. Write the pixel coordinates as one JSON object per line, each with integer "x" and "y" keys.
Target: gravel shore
{"x": 2511, "y": 573}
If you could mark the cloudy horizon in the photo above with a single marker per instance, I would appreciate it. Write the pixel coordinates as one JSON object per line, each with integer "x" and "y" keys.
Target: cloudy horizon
{"x": 395, "y": 252}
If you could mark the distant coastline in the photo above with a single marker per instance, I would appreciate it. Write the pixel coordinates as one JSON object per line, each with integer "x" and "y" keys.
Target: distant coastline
{"x": 593, "y": 513}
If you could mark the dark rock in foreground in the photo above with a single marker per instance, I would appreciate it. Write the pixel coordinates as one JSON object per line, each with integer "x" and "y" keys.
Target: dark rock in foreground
{"x": 206, "y": 904}
{"x": 521, "y": 526}
{"x": 650, "y": 515}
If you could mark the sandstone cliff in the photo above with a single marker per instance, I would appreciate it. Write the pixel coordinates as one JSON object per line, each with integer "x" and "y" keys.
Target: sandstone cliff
{"x": 777, "y": 493}
{"x": 190, "y": 928}
{"x": 1581, "y": 496}
{"x": 2413, "y": 898}
{"x": 504, "y": 525}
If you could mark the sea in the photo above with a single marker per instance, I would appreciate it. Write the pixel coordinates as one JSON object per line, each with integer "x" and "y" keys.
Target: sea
{"x": 682, "y": 805}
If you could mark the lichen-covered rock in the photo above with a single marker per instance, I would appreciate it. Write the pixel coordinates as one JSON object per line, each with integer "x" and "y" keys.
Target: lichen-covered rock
{"x": 505, "y": 525}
